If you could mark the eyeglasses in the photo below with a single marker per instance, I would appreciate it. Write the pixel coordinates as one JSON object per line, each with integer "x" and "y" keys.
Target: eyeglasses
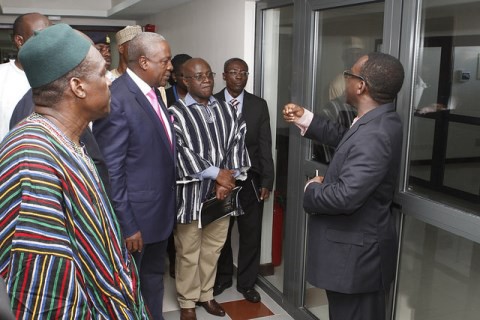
{"x": 348, "y": 73}
{"x": 235, "y": 73}
{"x": 201, "y": 76}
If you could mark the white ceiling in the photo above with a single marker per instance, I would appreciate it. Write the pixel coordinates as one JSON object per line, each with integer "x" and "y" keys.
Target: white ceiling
{"x": 111, "y": 9}
{"x": 137, "y": 9}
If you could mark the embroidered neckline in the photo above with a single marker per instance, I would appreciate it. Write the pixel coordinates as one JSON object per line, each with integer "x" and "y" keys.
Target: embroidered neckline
{"x": 79, "y": 151}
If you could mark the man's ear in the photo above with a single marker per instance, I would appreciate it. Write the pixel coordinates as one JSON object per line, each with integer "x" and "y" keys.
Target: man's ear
{"x": 18, "y": 40}
{"x": 224, "y": 75}
{"x": 142, "y": 62}
{"x": 78, "y": 88}
{"x": 362, "y": 87}
{"x": 185, "y": 82}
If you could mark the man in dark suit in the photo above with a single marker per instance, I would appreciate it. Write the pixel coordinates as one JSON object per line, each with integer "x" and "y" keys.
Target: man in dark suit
{"x": 138, "y": 144}
{"x": 352, "y": 241}
{"x": 255, "y": 189}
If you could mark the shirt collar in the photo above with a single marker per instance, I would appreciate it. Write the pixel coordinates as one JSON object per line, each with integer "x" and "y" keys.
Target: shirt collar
{"x": 189, "y": 100}
{"x": 144, "y": 87}
{"x": 228, "y": 97}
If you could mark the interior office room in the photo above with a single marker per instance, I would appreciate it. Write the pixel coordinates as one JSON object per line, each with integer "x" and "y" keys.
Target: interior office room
{"x": 296, "y": 51}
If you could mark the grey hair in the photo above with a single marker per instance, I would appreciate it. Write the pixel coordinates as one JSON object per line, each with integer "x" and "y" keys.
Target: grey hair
{"x": 140, "y": 45}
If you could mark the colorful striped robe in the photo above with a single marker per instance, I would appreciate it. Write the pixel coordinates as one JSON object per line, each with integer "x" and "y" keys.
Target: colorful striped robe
{"x": 61, "y": 250}
{"x": 206, "y": 136}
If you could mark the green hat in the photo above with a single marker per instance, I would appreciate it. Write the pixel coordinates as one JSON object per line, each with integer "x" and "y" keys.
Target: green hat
{"x": 51, "y": 53}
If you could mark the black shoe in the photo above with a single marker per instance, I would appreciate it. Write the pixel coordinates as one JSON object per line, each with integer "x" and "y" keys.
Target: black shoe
{"x": 251, "y": 294}
{"x": 218, "y": 288}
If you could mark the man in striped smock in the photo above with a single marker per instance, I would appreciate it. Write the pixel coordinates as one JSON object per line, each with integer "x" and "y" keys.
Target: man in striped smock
{"x": 211, "y": 155}
{"x": 61, "y": 250}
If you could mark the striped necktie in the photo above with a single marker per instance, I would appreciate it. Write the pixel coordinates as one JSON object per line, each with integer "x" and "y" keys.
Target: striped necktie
{"x": 234, "y": 103}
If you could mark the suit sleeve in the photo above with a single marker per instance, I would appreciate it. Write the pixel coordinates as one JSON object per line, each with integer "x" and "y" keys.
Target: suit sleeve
{"x": 265, "y": 149}
{"x": 325, "y": 131}
{"x": 112, "y": 135}
{"x": 362, "y": 171}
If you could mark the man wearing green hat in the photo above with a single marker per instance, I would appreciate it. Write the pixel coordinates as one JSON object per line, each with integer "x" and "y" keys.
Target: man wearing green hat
{"x": 62, "y": 252}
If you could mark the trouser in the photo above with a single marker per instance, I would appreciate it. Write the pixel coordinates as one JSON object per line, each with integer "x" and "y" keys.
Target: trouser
{"x": 361, "y": 306}
{"x": 250, "y": 235}
{"x": 196, "y": 260}
{"x": 151, "y": 267}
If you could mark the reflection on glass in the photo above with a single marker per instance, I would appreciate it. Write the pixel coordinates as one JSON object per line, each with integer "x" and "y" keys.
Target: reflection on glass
{"x": 276, "y": 78}
{"x": 439, "y": 275}
{"x": 339, "y": 46}
{"x": 444, "y": 162}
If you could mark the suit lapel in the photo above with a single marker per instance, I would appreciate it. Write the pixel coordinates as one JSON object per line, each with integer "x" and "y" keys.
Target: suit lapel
{"x": 146, "y": 107}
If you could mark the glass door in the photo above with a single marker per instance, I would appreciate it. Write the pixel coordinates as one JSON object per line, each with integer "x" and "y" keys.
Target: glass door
{"x": 274, "y": 87}
{"x": 439, "y": 264}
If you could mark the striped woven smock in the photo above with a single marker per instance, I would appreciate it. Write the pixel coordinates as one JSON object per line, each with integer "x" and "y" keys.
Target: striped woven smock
{"x": 61, "y": 250}
{"x": 206, "y": 136}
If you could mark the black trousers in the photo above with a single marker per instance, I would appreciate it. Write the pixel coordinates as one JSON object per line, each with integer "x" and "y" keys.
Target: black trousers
{"x": 361, "y": 306}
{"x": 250, "y": 234}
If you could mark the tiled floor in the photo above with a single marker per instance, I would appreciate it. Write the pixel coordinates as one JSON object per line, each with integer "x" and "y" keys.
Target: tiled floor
{"x": 236, "y": 307}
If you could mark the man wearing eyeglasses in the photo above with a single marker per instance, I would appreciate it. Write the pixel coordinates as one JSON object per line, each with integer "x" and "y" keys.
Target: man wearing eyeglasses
{"x": 255, "y": 190}
{"x": 211, "y": 156}
{"x": 138, "y": 143}
{"x": 352, "y": 241}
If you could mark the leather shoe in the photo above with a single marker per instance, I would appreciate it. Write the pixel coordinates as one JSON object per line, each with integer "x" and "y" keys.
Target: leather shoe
{"x": 251, "y": 294}
{"x": 213, "y": 307}
{"x": 188, "y": 314}
{"x": 218, "y": 288}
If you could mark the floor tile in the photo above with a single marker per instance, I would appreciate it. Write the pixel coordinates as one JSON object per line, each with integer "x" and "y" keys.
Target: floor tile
{"x": 242, "y": 309}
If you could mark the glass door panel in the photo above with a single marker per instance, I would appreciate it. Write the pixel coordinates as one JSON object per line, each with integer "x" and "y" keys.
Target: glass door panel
{"x": 339, "y": 46}
{"x": 439, "y": 274}
{"x": 444, "y": 163}
{"x": 439, "y": 269}
{"x": 276, "y": 79}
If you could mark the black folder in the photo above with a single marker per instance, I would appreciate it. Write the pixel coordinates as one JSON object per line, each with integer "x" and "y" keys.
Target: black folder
{"x": 214, "y": 209}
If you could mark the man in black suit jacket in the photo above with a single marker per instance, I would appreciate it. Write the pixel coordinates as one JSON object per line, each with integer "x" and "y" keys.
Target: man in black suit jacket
{"x": 255, "y": 189}
{"x": 352, "y": 241}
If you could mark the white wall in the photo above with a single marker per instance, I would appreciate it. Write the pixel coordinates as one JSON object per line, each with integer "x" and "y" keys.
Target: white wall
{"x": 210, "y": 29}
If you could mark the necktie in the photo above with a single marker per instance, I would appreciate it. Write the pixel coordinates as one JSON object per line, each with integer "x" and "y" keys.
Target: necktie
{"x": 234, "y": 103}
{"x": 152, "y": 97}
